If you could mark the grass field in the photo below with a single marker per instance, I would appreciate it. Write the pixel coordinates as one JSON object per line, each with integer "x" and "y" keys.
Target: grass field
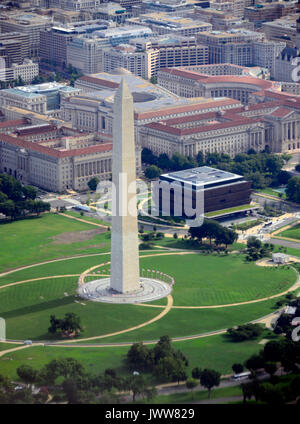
{"x": 228, "y": 210}
{"x": 217, "y": 280}
{"x": 31, "y": 240}
{"x": 271, "y": 192}
{"x": 211, "y": 352}
{"x": 194, "y": 396}
{"x": 4, "y": 346}
{"x": 293, "y": 232}
{"x": 27, "y": 309}
{"x": 199, "y": 280}
{"x": 184, "y": 322}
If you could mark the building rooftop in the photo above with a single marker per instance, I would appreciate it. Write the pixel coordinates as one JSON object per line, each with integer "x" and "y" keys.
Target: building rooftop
{"x": 148, "y": 98}
{"x": 202, "y": 176}
{"x": 170, "y": 21}
{"x": 37, "y": 90}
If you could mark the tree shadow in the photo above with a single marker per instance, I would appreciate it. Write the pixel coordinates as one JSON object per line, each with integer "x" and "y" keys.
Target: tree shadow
{"x": 38, "y": 307}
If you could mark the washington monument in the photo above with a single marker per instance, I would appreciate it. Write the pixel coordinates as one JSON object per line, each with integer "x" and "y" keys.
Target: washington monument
{"x": 125, "y": 276}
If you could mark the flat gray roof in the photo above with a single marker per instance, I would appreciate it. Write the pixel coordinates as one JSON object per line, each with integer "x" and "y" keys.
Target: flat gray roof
{"x": 202, "y": 176}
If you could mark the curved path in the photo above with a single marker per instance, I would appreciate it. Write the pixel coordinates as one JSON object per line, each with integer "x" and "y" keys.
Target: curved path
{"x": 167, "y": 308}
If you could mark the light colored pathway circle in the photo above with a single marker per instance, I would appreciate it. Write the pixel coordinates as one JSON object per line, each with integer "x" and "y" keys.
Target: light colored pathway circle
{"x": 99, "y": 291}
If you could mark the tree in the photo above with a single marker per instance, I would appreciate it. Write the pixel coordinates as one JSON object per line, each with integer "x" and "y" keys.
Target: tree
{"x": 30, "y": 192}
{"x": 152, "y": 172}
{"x": 273, "y": 351}
{"x": 153, "y": 79}
{"x": 297, "y": 167}
{"x": 93, "y": 183}
{"x": 270, "y": 368}
{"x": 71, "y": 391}
{"x": 255, "y": 362}
{"x": 138, "y": 357}
{"x": 7, "y": 208}
{"x": 254, "y": 242}
{"x": 68, "y": 325}
{"x": 164, "y": 161}
{"x": 191, "y": 383}
{"x": 245, "y": 332}
{"x": 237, "y": 368}
{"x": 209, "y": 379}
{"x": 270, "y": 394}
{"x": 40, "y": 206}
{"x": 170, "y": 369}
{"x": 200, "y": 159}
{"x": 27, "y": 374}
{"x": 71, "y": 323}
{"x": 196, "y": 372}
{"x": 138, "y": 386}
{"x": 149, "y": 157}
{"x": 283, "y": 177}
{"x": 293, "y": 189}
{"x": 63, "y": 367}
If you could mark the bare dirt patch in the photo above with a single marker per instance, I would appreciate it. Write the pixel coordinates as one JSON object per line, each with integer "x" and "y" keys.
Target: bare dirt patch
{"x": 76, "y": 236}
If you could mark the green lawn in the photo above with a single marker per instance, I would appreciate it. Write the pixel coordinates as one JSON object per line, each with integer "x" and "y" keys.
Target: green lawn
{"x": 290, "y": 250}
{"x": 293, "y": 232}
{"x": 193, "y": 396}
{"x": 4, "y": 346}
{"x": 217, "y": 280}
{"x": 199, "y": 280}
{"x": 271, "y": 192}
{"x": 184, "y": 322}
{"x": 27, "y": 309}
{"x": 31, "y": 240}
{"x": 227, "y": 210}
{"x": 211, "y": 352}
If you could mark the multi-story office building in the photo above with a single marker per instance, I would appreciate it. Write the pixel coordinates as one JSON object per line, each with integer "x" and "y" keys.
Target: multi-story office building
{"x": 85, "y": 52}
{"x": 265, "y": 53}
{"x": 234, "y": 46}
{"x": 171, "y": 7}
{"x": 14, "y": 47}
{"x": 275, "y": 125}
{"x": 221, "y": 20}
{"x": 129, "y": 4}
{"x": 284, "y": 29}
{"x": 27, "y": 71}
{"x": 77, "y": 5}
{"x": 113, "y": 12}
{"x": 162, "y": 23}
{"x": 53, "y": 157}
{"x": 29, "y": 24}
{"x": 144, "y": 57}
{"x": 267, "y": 12}
{"x": 41, "y": 98}
{"x": 229, "y": 69}
{"x": 91, "y": 110}
{"x": 235, "y": 7}
{"x": 192, "y": 83}
{"x": 53, "y": 44}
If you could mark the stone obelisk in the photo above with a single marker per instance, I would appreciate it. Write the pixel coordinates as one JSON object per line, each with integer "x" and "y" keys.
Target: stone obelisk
{"x": 124, "y": 233}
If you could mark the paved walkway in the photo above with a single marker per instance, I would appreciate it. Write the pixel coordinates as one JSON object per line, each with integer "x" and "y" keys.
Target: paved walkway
{"x": 83, "y": 220}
